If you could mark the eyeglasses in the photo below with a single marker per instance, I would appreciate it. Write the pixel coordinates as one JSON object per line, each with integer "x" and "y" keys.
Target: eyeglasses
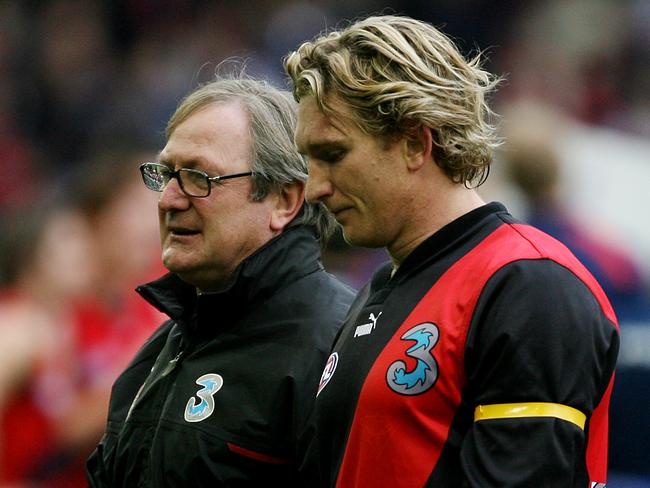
{"x": 193, "y": 182}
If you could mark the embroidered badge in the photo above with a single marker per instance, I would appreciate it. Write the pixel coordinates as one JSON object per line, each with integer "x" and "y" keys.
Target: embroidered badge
{"x": 328, "y": 372}
{"x": 195, "y": 412}
{"x": 425, "y": 373}
{"x": 366, "y": 329}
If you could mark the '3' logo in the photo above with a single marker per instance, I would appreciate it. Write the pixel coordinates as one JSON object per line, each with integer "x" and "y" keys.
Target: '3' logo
{"x": 425, "y": 373}
{"x": 195, "y": 412}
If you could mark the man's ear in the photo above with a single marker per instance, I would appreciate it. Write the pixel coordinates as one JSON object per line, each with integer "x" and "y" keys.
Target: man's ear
{"x": 287, "y": 205}
{"x": 418, "y": 147}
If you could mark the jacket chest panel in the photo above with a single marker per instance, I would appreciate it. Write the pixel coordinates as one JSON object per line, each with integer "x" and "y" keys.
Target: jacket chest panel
{"x": 204, "y": 388}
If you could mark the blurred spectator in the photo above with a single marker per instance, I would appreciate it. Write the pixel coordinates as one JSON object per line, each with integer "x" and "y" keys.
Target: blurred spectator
{"x": 588, "y": 58}
{"x": 47, "y": 266}
{"x": 70, "y": 319}
{"x": 17, "y": 155}
{"x": 115, "y": 320}
{"x": 534, "y": 166}
{"x": 74, "y": 75}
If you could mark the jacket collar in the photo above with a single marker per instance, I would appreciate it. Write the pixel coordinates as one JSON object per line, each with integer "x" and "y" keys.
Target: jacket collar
{"x": 436, "y": 244}
{"x": 284, "y": 259}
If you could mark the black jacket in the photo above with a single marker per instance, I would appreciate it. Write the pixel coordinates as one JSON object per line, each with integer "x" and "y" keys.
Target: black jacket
{"x": 222, "y": 388}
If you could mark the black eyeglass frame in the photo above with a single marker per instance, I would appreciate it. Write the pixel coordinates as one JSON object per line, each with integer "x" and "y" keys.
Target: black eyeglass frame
{"x": 166, "y": 170}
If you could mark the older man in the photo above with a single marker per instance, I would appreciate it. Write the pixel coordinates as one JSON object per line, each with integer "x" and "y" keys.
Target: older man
{"x": 217, "y": 395}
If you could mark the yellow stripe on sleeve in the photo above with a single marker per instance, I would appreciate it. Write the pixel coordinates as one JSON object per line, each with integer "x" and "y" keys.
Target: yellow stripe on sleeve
{"x": 519, "y": 410}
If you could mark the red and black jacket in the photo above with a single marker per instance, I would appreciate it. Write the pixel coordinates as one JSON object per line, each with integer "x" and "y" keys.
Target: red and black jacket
{"x": 486, "y": 360}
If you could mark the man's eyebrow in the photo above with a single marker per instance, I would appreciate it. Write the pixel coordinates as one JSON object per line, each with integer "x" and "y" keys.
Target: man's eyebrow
{"x": 318, "y": 147}
{"x": 190, "y": 163}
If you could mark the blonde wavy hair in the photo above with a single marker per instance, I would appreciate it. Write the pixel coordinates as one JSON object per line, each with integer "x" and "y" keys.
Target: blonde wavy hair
{"x": 398, "y": 74}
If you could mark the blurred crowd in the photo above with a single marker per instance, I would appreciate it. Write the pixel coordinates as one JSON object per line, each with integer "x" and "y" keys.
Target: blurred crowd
{"x": 86, "y": 87}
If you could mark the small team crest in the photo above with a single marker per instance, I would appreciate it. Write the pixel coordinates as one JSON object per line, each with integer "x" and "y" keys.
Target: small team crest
{"x": 195, "y": 412}
{"x": 425, "y": 373}
{"x": 328, "y": 372}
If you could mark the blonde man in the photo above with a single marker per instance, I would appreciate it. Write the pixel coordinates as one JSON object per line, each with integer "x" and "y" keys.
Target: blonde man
{"x": 483, "y": 354}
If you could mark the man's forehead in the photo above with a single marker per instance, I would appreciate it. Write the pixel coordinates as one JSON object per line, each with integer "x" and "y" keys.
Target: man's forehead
{"x": 317, "y": 128}
{"x": 211, "y": 134}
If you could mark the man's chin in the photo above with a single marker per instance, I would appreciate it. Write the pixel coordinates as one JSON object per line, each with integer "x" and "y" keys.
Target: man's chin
{"x": 358, "y": 239}
{"x": 177, "y": 265}
{"x": 195, "y": 275}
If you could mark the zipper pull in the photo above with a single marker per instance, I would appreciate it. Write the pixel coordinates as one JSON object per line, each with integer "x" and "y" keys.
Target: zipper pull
{"x": 169, "y": 367}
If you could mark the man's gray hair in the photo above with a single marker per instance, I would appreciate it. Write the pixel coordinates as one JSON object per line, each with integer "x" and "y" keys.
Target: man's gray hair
{"x": 275, "y": 161}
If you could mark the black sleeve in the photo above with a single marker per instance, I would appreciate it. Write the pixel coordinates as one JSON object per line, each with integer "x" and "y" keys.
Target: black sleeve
{"x": 96, "y": 474}
{"x": 537, "y": 335}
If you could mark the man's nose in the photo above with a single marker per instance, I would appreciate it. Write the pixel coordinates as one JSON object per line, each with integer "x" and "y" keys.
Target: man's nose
{"x": 173, "y": 197}
{"x": 319, "y": 185}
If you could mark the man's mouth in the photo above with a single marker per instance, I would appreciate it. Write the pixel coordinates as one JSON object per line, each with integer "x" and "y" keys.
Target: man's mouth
{"x": 338, "y": 211}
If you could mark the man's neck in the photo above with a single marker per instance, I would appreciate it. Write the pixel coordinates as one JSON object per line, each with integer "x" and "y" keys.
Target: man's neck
{"x": 426, "y": 220}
